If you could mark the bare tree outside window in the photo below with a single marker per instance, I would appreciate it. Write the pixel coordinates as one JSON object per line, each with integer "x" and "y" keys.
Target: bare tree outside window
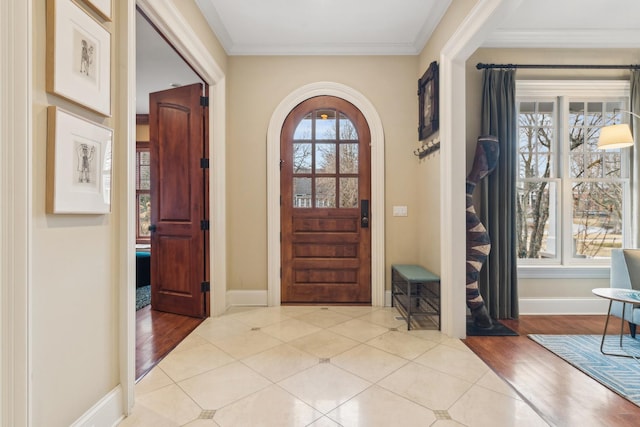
{"x": 330, "y": 163}
{"x": 593, "y": 177}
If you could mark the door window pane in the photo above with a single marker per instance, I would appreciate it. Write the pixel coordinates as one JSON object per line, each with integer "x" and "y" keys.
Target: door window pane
{"x": 302, "y": 192}
{"x": 348, "y": 192}
{"x": 325, "y": 158}
{"x": 348, "y": 131}
{"x": 348, "y": 158}
{"x": 303, "y": 131}
{"x": 301, "y": 158}
{"x": 325, "y": 193}
{"x": 325, "y": 124}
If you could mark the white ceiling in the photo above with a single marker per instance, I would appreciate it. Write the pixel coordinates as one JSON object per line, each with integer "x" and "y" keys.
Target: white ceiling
{"x": 303, "y": 27}
{"x": 376, "y": 27}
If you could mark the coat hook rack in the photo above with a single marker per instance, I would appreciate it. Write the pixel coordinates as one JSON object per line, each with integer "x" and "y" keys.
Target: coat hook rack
{"x": 427, "y": 148}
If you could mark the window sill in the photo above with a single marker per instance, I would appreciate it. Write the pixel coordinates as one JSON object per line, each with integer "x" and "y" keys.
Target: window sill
{"x": 563, "y": 272}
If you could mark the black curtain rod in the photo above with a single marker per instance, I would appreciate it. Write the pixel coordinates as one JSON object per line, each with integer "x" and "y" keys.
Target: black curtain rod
{"x": 482, "y": 66}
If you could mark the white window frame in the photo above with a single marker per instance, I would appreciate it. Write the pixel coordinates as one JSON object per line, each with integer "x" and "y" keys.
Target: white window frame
{"x": 566, "y": 266}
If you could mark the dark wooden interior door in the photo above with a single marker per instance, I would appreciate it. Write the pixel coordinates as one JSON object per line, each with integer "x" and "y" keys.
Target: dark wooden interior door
{"x": 179, "y": 270}
{"x": 325, "y": 193}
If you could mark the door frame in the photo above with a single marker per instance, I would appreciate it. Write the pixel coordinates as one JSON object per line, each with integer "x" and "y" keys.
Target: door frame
{"x": 278, "y": 117}
{"x": 172, "y": 25}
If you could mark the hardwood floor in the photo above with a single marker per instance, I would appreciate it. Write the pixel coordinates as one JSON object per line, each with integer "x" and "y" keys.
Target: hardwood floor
{"x": 158, "y": 333}
{"x": 560, "y": 393}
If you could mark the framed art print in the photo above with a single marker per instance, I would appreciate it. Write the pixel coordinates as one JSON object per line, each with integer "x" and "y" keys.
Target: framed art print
{"x": 101, "y": 7}
{"x": 78, "y": 57}
{"x": 428, "y": 118}
{"x": 78, "y": 164}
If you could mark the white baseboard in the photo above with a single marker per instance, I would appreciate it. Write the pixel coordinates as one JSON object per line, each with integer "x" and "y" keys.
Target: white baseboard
{"x": 528, "y": 306}
{"x": 246, "y": 298}
{"x": 108, "y": 412}
{"x": 259, "y": 298}
{"x": 541, "y": 306}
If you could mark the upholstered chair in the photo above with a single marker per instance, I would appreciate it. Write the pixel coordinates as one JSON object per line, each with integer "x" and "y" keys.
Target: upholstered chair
{"x": 625, "y": 273}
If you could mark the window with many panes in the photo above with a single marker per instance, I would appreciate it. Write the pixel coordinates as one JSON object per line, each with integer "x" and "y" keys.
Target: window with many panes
{"x": 143, "y": 196}
{"x": 325, "y": 161}
{"x": 572, "y": 198}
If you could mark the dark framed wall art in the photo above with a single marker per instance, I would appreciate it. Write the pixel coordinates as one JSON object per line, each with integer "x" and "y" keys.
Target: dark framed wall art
{"x": 428, "y": 119}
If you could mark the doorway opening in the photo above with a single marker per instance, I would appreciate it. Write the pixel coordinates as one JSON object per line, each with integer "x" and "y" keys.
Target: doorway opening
{"x": 377, "y": 221}
{"x": 325, "y": 189}
{"x": 167, "y": 309}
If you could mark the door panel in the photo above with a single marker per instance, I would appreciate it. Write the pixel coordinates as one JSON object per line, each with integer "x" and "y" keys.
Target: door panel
{"x": 178, "y": 197}
{"x": 325, "y": 177}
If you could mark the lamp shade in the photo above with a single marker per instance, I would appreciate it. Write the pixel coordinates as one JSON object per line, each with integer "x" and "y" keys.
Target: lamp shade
{"x": 615, "y": 136}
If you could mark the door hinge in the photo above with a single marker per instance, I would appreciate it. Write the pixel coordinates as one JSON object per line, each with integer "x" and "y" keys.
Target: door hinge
{"x": 205, "y": 286}
{"x": 204, "y": 224}
{"x": 281, "y": 272}
{"x": 204, "y": 163}
{"x": 204, "y": 101}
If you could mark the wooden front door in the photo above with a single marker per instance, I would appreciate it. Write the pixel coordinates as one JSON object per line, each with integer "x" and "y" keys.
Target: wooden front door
{"x": 179, "y": 217}
{"x": 325, "y": 191}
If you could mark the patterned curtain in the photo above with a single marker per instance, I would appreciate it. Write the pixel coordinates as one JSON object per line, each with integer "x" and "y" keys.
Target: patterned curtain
{"x": 499, "y": 278}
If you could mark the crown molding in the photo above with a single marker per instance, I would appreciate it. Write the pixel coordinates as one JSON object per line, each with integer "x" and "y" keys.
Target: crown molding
{"x": 583, "y": 38}
{"x": 324, "y": 49}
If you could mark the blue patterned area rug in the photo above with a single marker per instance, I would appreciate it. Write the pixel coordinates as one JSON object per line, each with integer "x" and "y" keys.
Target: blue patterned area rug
{"x": 620, "y": 374}
{"x": 143, "y": 296}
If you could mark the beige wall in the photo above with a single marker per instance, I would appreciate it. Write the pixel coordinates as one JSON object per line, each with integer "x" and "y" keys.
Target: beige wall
{"x": 428, "y": 171}
{"x": 75, "y": 264}
{"x": 544, "y": 288}
{"x": 74, "y": 294}
{"x": 256, "y": 85}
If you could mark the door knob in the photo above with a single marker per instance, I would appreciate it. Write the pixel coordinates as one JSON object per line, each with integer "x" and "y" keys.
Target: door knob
{"x": 364, "y": 213}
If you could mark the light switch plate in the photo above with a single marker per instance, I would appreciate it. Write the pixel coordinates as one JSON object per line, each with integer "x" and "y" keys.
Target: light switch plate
{"x": 400, "y": 211}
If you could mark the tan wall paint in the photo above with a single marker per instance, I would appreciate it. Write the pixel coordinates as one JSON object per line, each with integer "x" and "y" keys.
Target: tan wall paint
{"x": 256, "y": 85}
{"x": 192, "y": 14}
{"x": 74, "y": 295}
{"x": 544, "y": 288}
{"x": 428, "y": 173}
{"x": 75, "y": 301}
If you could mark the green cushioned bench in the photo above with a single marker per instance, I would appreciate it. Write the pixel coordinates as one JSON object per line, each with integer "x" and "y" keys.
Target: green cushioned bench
{"x": 415, "y": 291}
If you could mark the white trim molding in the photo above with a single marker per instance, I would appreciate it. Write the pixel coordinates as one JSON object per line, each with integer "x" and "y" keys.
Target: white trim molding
{"x": 564, "y": 306}
{"x": 108, "y": 411}
{"x": 247, "y": 298}
{"x": 377, "y": 184}
{"x": 568, "y": 38}
{"x": 16, "y": 211}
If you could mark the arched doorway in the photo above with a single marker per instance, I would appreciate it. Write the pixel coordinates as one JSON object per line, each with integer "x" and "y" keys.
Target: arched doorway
{"x": 325, "y": 190}
{"x": 377, "y": 183}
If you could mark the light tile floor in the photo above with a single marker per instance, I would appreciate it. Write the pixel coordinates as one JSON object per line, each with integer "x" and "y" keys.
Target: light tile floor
{"x": 323, "y": 367}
